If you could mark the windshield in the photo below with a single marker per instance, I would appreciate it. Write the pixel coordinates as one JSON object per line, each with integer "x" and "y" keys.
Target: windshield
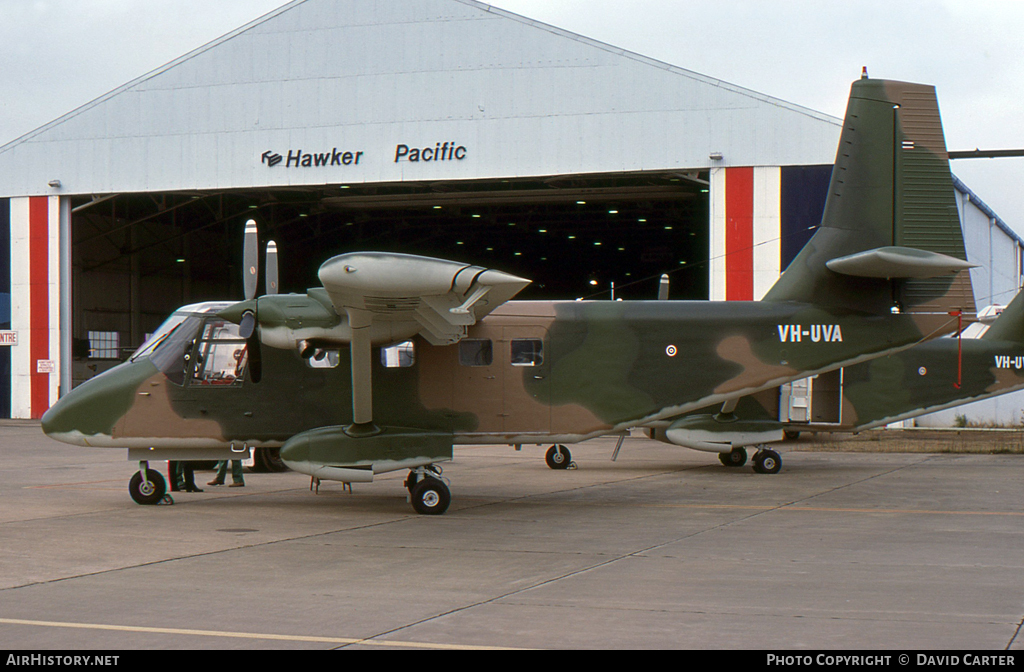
{"x": 158, "y": 337}
{"x": 167, "y": 348}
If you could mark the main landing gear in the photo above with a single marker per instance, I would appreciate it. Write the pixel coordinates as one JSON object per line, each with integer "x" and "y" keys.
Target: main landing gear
{"x": 428, "y": 494}
{"x": 766, "y": 461}
{"x": 735, "y": 458}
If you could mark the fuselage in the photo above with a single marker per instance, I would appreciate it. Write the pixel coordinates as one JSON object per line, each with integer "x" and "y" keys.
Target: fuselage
{"x": 530, "y": 372}
{"x": 930, "y": 377}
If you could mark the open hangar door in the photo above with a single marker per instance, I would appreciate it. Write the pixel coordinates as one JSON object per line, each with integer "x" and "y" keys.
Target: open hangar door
{"x": 138, "y": 257}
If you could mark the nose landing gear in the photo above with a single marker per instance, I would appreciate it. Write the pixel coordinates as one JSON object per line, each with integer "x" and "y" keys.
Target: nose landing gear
{"x": 559, "y": 457}
{"x": 147, "y": 487}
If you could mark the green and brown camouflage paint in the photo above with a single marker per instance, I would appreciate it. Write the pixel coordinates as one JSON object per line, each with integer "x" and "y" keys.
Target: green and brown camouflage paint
{"x": 606, "y": 366}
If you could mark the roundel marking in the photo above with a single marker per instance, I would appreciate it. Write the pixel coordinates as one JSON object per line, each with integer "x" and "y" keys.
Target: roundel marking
{"x": 671, "y": 351}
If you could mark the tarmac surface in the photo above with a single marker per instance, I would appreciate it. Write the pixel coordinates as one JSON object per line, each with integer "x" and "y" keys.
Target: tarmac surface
{"x": 663, "y": 549}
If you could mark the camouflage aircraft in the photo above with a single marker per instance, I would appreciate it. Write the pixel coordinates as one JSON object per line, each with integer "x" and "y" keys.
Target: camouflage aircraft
{"x": 933, "y": 376}
{"x": 398, "y": 358}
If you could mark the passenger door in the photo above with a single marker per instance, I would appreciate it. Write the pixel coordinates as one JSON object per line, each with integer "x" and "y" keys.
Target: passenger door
{"x": 478, "y": 381}
{"x": 527, "y": 409}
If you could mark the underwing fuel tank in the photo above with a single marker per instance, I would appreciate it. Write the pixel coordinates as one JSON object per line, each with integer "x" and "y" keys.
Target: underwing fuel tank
{"x": 721, "y": 433}
{"x": 341, "y": 454}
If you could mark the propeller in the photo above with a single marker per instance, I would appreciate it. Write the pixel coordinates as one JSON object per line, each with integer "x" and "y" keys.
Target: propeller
{"x": 248, "y": 325}
{"x": 271, "y": 272}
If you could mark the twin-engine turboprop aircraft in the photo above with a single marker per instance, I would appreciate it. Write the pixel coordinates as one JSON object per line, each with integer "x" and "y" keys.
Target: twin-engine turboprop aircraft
{"x": 398, "y": 358}
{"x": 933, "y": 376}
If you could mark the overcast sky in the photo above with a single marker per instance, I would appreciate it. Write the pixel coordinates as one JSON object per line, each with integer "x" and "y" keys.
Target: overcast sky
{"x": 58, "y": 54}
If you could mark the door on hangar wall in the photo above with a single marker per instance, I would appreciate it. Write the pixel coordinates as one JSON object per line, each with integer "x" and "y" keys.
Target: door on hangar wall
{"x": 5, "y": 306}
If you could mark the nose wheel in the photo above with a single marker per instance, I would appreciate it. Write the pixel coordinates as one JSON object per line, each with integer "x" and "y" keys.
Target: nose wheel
{"x": 147, "y": 486}
{"x": 558, "y": 457}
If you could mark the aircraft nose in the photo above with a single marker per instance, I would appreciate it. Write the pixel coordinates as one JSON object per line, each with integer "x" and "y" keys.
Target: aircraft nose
{"x": 92, "y": 409}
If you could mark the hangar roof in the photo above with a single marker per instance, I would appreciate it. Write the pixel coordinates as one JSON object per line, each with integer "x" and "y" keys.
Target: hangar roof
{"x": 366, "y": 91}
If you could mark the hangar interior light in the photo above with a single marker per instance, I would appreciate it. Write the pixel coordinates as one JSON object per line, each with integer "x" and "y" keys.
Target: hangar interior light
{"x": 129, "y": 250}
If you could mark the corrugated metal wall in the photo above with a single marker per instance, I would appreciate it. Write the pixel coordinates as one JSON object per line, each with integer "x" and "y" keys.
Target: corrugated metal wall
{"x": 334, "y": 76}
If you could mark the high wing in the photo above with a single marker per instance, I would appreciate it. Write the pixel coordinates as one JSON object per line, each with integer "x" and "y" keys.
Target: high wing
{"x": 400, "y": 295}
{"x": 437, "y": 297}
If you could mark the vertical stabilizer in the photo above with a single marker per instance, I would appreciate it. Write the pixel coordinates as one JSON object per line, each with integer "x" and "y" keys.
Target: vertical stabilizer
{"x": 890, "y": 237}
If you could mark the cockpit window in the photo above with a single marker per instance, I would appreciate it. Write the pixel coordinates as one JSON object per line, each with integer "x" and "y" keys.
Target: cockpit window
{"x": 221, "y": 355}
{"x": 158, "y": 337}
{"x": 168, "y": 347}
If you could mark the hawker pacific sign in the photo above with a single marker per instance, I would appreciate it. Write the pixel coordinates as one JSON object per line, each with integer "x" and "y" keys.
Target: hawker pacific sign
{"x": 448, "y": 151}
{"x": 439, "y": 152}
{"x": 299, "y": 159}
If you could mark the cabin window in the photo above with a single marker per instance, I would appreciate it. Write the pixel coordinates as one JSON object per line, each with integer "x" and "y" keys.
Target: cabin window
{"x": 221, "y": 355}
{"x": 527, "y": 352}
{"x": 324, "y": 359}
{"x": 476, "y": 352}
{"x": 104, "y": 345}
{"x": 401, "y": 356}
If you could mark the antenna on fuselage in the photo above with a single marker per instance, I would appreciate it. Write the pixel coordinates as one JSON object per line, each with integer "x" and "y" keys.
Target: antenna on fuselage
{"x": 663, "y": 288}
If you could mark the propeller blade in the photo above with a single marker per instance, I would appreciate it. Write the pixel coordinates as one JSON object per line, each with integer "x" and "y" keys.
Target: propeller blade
{"x": 247, "y": 327}
{"x": 250, "y": 260}
{"x": 255, "y": 358}
{"x": 271, "y": 272}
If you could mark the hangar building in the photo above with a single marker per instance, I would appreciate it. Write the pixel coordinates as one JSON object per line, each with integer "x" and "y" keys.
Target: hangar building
{"x": 440, "y": 127}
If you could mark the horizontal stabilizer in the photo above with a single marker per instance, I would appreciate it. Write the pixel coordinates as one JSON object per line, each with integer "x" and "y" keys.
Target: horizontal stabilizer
{"x": 898, "y": 262}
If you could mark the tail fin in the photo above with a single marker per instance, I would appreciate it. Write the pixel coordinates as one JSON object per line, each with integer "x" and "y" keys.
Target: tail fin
{"x": 1009, "y": 326}
{"x": 890, "y": 235}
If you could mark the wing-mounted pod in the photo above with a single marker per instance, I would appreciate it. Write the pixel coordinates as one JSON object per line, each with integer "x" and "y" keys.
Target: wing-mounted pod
{"x": 713, "y": 434}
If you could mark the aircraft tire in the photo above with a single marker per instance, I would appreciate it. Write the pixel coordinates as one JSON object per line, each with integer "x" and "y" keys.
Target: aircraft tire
{"x": 737, "y": 457}
{"x": 268, "y": 460}
{"x": 767, "y": 462}
{"x": 147, "y": 491}
{"x": 430, "y": 497}
{"x": 558, "y": 457}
